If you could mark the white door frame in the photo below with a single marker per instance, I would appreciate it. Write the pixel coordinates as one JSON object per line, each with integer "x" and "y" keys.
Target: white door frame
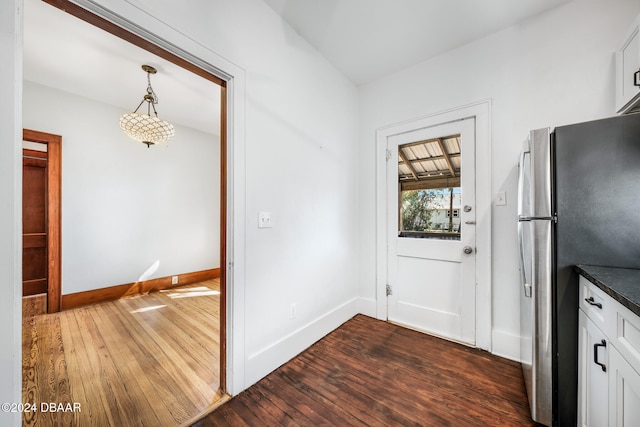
{"x": 481, "y": 112}
{"x": 140, "y": 23}
{"x": 136, "y": 21}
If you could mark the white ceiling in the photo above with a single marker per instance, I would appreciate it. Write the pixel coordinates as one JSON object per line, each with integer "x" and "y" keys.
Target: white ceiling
{"x": 369, "y": 39}
{"x": 365, "y": 39}
{"x": 63, "y": 52}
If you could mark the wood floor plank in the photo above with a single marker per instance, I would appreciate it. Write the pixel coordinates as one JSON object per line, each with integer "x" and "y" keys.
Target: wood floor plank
{"x": 449, "y": 378}
{"x": 157, "y": 389}
{"x": 272, "y": 404}
{"x": 381, "y": 374}
{"x": 77, "y": 359}
{"x": 171, "y": 381}
{"x": 103, "y": 374}
{"x": 196, "y": 386}
{"x": 147, "y": 360}
{"x": 128, "y": 368}
{"x": 44, "y": 370}
{"x": 313, "y": 411}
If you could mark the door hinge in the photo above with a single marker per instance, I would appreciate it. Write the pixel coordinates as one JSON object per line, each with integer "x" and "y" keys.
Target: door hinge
{"x": 389, "y": 290}
{"x": 388, "y": 154}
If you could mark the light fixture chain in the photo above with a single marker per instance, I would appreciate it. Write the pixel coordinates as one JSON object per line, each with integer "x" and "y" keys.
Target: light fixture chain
{"x": 150, "y": 89}
{"x": 138, "y": 107}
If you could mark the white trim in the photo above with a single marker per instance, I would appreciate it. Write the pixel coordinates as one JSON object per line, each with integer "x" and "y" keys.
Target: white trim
{"x": 264, "y": 361}
{"x": 150, "y": 28}
{"x": 481, "y": 111}
{"x": 11, "y": 207}
{"x": 367, "y": 306}
{"x": 506, "y": 345}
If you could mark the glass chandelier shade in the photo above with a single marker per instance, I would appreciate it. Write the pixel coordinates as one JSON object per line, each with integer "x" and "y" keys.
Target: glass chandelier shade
{"x": 147, "y": 128}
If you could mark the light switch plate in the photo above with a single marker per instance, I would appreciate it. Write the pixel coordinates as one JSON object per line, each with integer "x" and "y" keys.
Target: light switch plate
{"x": 264, "y": 220}
{"x": 501, "y": 199}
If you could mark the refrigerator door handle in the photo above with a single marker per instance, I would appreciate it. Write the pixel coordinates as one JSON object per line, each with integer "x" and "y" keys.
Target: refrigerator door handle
{"x": 523, "y": 276}
{"x": 521, "y": 184}
{"x": 521, "y": 218}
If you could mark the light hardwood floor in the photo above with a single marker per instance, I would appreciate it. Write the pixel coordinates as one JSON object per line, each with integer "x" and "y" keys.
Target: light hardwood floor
{"x": 149, "y": 360}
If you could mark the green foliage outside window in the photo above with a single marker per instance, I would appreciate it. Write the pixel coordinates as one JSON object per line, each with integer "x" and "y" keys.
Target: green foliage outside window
{"x": 415, "y": 212}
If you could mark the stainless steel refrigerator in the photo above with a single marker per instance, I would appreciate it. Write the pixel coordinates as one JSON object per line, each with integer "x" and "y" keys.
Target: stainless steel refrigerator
{"x": 578, "y": 203}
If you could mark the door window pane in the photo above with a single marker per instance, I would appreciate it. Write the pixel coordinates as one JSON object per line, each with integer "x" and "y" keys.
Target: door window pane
{"x": 432, "y": 213}
{"x": 429, "y": 188}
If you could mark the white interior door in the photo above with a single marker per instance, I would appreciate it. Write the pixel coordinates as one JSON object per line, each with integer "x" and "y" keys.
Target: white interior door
{"x": 431, "y": 240}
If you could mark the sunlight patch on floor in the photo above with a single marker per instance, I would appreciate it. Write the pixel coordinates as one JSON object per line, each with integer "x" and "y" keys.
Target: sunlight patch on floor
{"x": 194, "y": 294}
{"x": 143, "y": 309}
{"x": 199, "y": 291}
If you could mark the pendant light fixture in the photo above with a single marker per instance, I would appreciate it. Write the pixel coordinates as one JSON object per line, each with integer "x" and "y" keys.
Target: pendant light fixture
{"x": 146, "y": 128}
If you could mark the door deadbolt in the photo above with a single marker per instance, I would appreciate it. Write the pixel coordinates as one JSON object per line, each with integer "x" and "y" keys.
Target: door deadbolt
{"x": 467, "y": 208}
{"x": 467, "y": 249}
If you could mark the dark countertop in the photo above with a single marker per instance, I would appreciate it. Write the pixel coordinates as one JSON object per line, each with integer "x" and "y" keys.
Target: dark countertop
{"x": 622, "y": 284}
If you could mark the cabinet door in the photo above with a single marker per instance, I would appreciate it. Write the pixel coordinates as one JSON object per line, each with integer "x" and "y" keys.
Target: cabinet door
{"x": 593, "y": 385}
{"x": 627, "y": 63}
{"x": 624, "y": 392}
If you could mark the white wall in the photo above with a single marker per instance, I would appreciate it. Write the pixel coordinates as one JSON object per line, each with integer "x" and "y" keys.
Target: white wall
{"x": 126, "y": 206}
{"x": 554, "y": 69}
{"x": 10, "y": 205}
{"x": 299, "y": 155}
{"x": 296, "y": 142}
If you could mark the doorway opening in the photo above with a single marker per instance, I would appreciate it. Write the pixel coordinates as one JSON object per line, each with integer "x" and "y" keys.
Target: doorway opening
{"x": 41, "y": 217}
{"x": 136, "y": 40}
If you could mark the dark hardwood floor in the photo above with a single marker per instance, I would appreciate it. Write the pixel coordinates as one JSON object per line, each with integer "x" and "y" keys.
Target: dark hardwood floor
{"x": 373, "y": 373}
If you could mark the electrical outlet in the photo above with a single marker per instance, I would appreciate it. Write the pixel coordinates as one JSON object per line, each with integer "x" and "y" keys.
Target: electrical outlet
{"x": 264, "y": 219}
{"x": 174, "y": 280}
{"x": 292, "y": 311}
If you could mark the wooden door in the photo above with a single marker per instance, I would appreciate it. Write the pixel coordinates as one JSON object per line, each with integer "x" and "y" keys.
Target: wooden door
{"x": 34, "y": 222}
{"x": 41, "y": 217}
{"x": 432, "y": 272}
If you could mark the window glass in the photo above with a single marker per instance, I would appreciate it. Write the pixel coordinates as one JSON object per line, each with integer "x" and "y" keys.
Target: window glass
{"x": 432, "y": 213}
{"x": 429, "y": 188}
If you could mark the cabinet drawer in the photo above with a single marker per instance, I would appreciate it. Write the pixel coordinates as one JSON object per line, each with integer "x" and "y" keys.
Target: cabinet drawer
{"x": 598, "y": 306}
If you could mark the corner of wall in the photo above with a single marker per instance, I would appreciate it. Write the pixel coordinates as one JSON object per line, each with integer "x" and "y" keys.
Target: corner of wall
{"x": 367, "y": 306}
{"x": 263, "y": 362}
{"x": 506, "y": 345}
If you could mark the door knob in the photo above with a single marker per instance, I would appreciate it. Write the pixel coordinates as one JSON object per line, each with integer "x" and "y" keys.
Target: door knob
{"x": 467, "y": 249}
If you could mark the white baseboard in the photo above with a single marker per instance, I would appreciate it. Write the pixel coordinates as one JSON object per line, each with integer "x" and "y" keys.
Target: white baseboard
{"x": 265, "y": 361}
{"x": 367, "y": 306}
{"x": 506, "y": 345}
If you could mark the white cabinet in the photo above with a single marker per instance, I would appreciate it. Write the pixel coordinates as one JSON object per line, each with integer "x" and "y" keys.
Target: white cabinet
{"x": 608, "y": 361}
{"x": 624, "y": 392}
{"x": 593, "y": 384}
{"x": 627, "y": 67}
